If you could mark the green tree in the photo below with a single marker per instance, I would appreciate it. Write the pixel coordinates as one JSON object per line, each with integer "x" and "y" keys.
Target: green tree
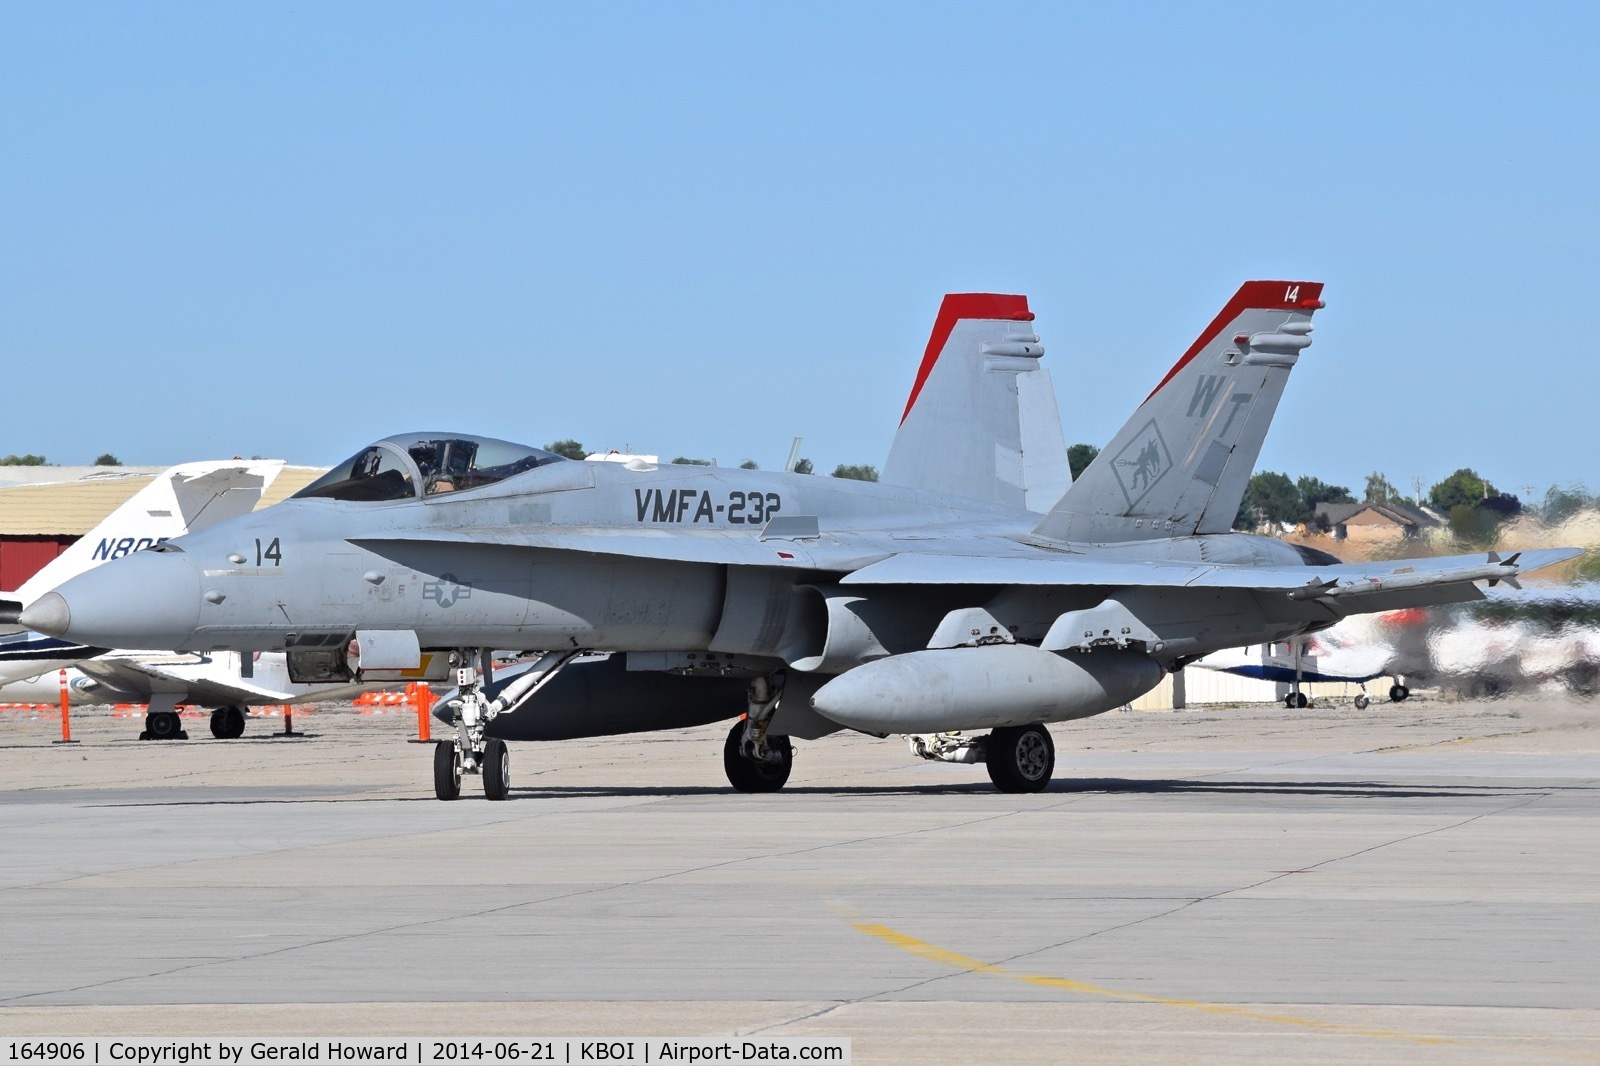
{"x": 568, "y": 447}
{"x": 107, "y": 459}
{"x": 856, "y": 473}
{"x": 1270, "y": 498}
{"x": 1313, "y": 491}
{"x": 1380, "y": 490}
{"x": 804, "y": 467}
{"x": 1471, "y": 524}
{"x": 22, "y": 460}
{"x": 1079, "y": 456}
{"x": 749, "y": 464}
{"x": 1561, "y": 504}
{"x": 1462, "y": 487}
{"x": 681, "y": 461}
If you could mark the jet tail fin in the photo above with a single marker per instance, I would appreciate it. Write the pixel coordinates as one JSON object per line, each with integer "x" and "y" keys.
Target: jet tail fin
{"x": 1180, "y": 466}
{"x": 179, "y": 500}
{"x": 982, "y": 419}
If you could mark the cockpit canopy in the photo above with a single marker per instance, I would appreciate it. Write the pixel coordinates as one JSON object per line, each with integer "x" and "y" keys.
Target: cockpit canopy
{"x": 408, "y": 465}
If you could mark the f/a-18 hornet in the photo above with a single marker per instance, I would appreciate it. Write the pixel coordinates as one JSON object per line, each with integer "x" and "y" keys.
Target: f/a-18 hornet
{"x": 939, "y": 602}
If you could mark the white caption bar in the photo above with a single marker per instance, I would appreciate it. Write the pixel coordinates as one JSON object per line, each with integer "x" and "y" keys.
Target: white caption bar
{"x": 430, "y": 1051}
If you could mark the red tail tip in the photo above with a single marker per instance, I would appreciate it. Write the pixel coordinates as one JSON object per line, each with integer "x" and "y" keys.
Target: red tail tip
{"x": 957, "y": 306}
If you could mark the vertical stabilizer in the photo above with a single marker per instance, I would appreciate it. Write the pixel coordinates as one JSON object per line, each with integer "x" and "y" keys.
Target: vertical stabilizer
{"x": 1181, "y": 465}
{"x": 178, "y": 501}
{"x": 982, "y": 419}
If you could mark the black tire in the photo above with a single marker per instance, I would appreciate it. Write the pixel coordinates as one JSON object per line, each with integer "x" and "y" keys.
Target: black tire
{"x": 1301, "y": 701}
{"x": 496, "y": 770}
{"x": 1398, "y": 693}
{"x": 163, "y": 725}
{"x": 446, "y": 772}
{"x": 1021, "y": 758}
{"x": 1362, "y": 701}
{"x": 746, "y": 775}
{"x": 219, "y": 724}
{"x": 232, "y": 723}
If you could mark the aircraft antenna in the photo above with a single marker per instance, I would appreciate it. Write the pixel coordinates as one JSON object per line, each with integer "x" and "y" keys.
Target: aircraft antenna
{"x": 794, "y": 456}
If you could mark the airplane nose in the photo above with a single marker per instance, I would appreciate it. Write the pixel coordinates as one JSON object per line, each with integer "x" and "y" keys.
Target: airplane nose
{"x": 48, "y": 614}
{"x": 144, "y": 600}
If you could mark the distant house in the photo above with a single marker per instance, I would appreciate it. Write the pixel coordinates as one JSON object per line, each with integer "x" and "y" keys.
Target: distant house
{"x": 1374, "y": 521}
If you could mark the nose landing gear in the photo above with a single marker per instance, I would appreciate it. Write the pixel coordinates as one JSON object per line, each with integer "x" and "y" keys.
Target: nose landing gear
{"x": 471, "y": 751}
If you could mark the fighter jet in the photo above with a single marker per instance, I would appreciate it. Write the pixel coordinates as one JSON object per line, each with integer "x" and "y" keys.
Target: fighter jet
{"x": 940, "y": 605}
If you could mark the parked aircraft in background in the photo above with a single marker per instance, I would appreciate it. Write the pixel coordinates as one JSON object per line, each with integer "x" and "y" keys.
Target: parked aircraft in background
{"x": 1328, "y": 656}
{"x": 164, "y": 680}
{"x": 179, "y": 500}
{"x": 940, "y": 603}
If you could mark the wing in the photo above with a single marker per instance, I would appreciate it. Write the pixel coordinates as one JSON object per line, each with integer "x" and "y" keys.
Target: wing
{"x": 141, "y": 679}
{"x": 1341, "y": 582}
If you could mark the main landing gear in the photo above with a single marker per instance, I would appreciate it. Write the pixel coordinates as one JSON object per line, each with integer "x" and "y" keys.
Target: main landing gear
{"x": 754, "y": 760}
{"x": 1019, "y": 758}
{"x": 471, "y": 751}
{"x": 227, "y": 723}
{"x": 163, "y": 725}
{"x": 161, "y": 721}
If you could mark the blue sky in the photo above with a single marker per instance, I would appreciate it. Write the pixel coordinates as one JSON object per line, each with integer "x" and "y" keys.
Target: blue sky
{"x": 703, "y": 229}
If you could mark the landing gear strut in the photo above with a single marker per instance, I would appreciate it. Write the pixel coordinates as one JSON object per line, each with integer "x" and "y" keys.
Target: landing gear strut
{"x": 1296, "y": 698}
{"x": 754, "y": 760}
{"x": 471, "y": 751}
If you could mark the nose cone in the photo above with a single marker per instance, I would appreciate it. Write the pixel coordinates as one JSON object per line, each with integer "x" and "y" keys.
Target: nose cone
{"x": 47, "y": 614}
{"x": 145, "y": 600}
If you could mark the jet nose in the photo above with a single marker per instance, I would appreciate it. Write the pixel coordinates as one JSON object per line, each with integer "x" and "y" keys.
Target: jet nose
{"x": 48, "y": 614}
{"x": 144, "y": 600}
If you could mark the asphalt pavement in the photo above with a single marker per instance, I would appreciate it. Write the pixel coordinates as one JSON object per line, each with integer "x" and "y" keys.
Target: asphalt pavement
{"x": 1412, "y": 883}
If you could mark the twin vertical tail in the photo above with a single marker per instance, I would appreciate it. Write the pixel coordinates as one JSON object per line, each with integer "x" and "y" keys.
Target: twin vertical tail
{"x": 982, "y": 421}
{"x": 1180, "y": 466}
